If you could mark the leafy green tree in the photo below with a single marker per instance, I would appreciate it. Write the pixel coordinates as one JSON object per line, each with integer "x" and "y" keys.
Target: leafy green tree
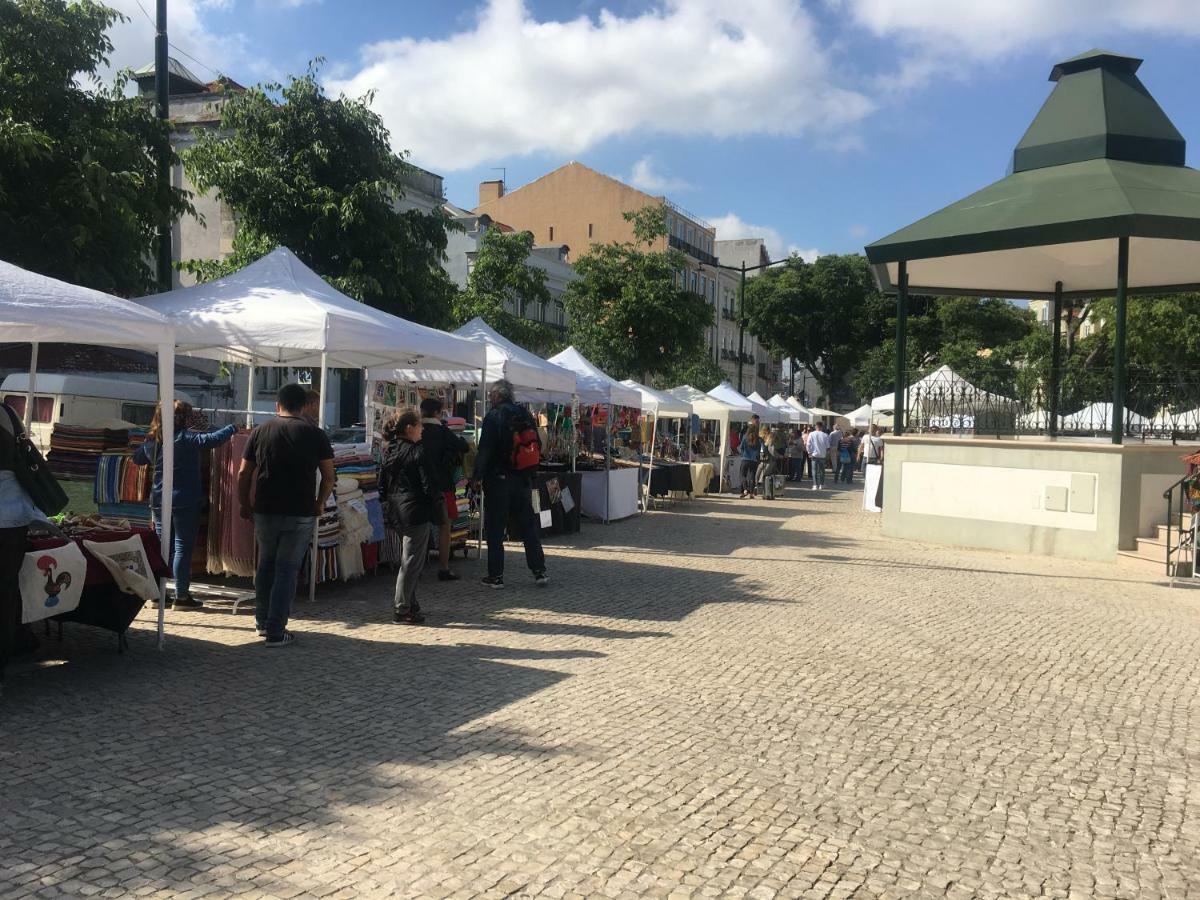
{"x": 501, "y": 278}
{"x": 79, "y": 193}
{"x": 701, "y": 372}
{"x": 318, "y": 176}
{"x": 627, "y": 313}
{"x": 826, "y": 315}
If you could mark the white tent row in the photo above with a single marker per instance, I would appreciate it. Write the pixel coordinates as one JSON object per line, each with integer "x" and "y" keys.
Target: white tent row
{"x": 35, "y": 309}
{"x": 659, "y": 403}
{"x": 727, "y": 393}
{"x": 708, "y": 407}
{"x": 791, "y": 413}
{"x": 858, "y": 418}
{"x": 804, "y": 411}
{"x": 278, "y": 312}
{"x": 942, "y": 382}
{"x": 593, "y": 385}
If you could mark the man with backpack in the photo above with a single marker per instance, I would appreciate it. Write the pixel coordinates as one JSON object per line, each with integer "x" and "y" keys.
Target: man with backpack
{"x": 508, "y": 457}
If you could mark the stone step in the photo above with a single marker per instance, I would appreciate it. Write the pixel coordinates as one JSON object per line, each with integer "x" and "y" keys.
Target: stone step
{"x": 1150, "y": 567}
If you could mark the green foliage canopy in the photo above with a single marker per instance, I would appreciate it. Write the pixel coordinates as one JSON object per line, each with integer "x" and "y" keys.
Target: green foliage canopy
{"x": 501, "y": 278}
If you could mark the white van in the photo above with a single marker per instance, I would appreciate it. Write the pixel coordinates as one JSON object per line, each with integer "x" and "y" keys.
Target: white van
{"x": 80, "y": 400}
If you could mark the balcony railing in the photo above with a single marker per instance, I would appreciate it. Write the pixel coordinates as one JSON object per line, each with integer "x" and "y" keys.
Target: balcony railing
{"x": 691, "y": 250}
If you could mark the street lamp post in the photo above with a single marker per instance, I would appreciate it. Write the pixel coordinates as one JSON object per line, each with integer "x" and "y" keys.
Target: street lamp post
{"x": 743, "y": 269}
{"x": 162, "y": 95}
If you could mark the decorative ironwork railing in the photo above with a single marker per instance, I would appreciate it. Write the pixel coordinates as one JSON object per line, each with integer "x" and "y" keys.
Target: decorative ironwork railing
{"x": 1016, "y": 401}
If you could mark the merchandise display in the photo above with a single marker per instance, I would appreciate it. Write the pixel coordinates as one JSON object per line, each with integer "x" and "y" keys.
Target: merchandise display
{"x": 75, "y": 450}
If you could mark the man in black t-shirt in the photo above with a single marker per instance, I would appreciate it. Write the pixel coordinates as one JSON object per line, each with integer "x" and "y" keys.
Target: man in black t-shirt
{"x": 277, "y": 486}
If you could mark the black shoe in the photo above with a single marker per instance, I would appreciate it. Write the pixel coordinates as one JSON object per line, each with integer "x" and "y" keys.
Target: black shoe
{"x": 408, "y": 618}
{"x": 541, "y": 579}
{"x": 284, "y": 640}
{"x": 447, "y": 575}
{"x": 187, "y": 601}
{"x": 495, "y": 582}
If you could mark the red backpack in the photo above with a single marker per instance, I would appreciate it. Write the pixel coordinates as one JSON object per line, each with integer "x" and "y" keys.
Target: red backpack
{"x": 526, "y": 445}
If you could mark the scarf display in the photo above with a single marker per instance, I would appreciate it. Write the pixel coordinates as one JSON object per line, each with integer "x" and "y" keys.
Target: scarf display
{"x": 230, "y": 538}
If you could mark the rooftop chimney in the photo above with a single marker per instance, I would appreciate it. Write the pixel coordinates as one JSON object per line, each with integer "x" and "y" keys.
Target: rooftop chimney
{"x": 490, "y": 190}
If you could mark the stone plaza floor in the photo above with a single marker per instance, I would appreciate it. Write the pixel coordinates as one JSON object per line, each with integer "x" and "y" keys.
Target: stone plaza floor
{"x": 725, "y": 698}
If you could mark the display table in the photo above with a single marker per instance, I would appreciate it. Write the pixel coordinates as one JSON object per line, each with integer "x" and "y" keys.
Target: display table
{"x": 103, "y": 604}
{"x": 564, "y": 522}
{"x": 619, "y": 485}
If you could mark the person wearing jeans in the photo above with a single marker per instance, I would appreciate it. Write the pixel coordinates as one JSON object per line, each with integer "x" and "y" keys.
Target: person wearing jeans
{"x": 275, "y": 487}
{"x": 507, "y": 491}
{"x": 282, "y": 542}
{"x": 187, "y": 497}
{"x": 818, "y": 450}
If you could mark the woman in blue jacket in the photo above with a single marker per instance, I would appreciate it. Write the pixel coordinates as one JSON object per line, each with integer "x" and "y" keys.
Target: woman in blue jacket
{"x": 186, "y": 497}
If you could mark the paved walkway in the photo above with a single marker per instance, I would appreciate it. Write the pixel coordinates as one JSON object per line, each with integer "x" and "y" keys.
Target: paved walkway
{"x": 729, "y": 698}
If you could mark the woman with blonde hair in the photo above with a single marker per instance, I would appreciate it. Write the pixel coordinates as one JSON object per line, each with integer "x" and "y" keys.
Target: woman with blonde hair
{"x": 766, "y": 464}
{"x": 187, "y": 498}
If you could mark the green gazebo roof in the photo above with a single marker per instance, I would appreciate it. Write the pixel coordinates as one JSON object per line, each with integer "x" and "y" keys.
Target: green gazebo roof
{"x": 1101, "y": 161}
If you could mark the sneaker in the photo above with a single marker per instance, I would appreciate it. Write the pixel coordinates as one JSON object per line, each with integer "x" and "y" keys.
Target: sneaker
{"x": 282, "y": 641}
{"x": 495, "y": 582}
{"x": 408, "y": 618}
{"x": 541, "y": 579}
{"x": 261, "y": 632}
{"x": 447, "y": 575}
{"x": 187, "y": 601}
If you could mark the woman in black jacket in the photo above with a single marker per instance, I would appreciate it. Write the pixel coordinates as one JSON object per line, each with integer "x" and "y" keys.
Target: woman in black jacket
{"x": 408, "y": 486}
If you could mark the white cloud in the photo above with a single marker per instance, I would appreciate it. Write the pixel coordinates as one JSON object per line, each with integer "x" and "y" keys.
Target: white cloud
{"x": 133, "y": 39}
{"x": 731, "y": 226}
{"x": 646, "y": 178}
{"x": 512, "y": 85}
{"x": 949, "y": 34}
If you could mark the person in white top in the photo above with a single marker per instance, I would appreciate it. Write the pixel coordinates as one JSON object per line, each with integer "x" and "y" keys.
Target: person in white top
{"x": 835, "y": 443}
{"x": 818, "y": 450}
{"x": 870, "y": 450}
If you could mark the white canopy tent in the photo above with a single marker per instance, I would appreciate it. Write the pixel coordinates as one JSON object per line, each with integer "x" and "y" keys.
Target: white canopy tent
{"x": 804, "y": 411}
{"x": 792, "y": 415}
{"x": 708, "y": 407}
{"x": 727, "y": 393}
{"x": 858, "y": 418}
{"x": 941, "y": 383}
{"x": 660, "y": 403}
{"x": 595, "y": 387}
{"x": 35, "y": 309}
{"x": 278, "y": 312}
{"x": 1099, "y": 417}
{"x": 780, "y": 417}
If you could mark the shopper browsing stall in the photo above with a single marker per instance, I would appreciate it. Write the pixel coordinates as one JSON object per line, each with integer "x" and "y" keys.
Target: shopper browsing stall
{"x": 444, "y": 451}
{"x": 187, "y": 496}
{"x": 501, "y": 466}
{"x": 409, "y": 488}
{"x": 751, "y": 452}
{"x": 276, "y": 486}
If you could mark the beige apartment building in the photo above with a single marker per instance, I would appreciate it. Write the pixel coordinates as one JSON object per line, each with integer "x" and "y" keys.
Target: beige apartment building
{"x": 577, "y": 206}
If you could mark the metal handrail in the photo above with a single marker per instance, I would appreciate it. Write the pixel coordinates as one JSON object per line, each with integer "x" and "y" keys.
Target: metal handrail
{"x": 1169, "y": 496}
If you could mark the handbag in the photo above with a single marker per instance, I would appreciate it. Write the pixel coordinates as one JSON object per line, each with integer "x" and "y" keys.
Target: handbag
{"x": 33, "y": 474}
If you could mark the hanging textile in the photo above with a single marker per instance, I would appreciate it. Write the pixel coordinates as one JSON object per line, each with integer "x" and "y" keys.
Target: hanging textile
{"x": 230, "y": 543}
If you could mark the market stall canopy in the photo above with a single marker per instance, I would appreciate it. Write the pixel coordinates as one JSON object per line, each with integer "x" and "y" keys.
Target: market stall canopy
{"x": 858, "y": 418}
{"x": 1100, "y": 162}
{"x": 38, "y": 309}
{"x": 592, "y": 384}
{"x": 942, "y": 383}
{"x": 706, "y": 407}
{"x": 804, "y": 411}
{"x": 534, "y": 379}
{"x": 789, "y": 413}
{"x": 727, "y": 393}
{"x": 660, "y": 403}
{"x": 1099, "y": 417}
{"x": 277, "y": 311}
{"x": 820, "y": 413}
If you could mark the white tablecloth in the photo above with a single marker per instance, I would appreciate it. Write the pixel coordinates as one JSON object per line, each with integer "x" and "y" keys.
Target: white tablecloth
{"x": 622, "y": 494}
{"x": 702, "y": 475}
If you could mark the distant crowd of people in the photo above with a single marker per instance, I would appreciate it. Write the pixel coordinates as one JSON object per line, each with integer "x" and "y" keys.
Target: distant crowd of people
{"x": 800, "y": 454}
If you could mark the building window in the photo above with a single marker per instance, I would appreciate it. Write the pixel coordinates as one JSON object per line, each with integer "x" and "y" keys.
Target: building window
{"x": 694, "y": 283}
{"x": 43, "y": 407}
{"x": 589, "y": 229}
{"x": 670, "y": 224}
{"x": 551, "y": 232}
{"x": 689, "y": 235}
{"x": 703, "y": 285}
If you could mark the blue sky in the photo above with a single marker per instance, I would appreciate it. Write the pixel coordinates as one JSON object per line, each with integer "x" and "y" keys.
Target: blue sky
{"x": 820, "y": 124}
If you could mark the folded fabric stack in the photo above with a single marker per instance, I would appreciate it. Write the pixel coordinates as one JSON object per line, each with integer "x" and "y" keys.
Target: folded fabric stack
{"x": 118, "y": 480}
{"x": 75, "y": 451}
{"x": 355, "y": 528}
{"x": 136, "y": 514}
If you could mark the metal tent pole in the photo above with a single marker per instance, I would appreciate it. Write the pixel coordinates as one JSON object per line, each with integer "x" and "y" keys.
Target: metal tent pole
{"x": 31, "y": 388}
{"x": 250, "y": 393}
{"x": 166, "y": 399}
{"x": 1118, "y": 411}
{"x": 312, "y": 579}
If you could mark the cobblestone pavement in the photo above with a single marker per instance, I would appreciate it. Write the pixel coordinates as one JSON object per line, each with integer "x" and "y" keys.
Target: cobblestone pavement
{"x": 726, "y": 698}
